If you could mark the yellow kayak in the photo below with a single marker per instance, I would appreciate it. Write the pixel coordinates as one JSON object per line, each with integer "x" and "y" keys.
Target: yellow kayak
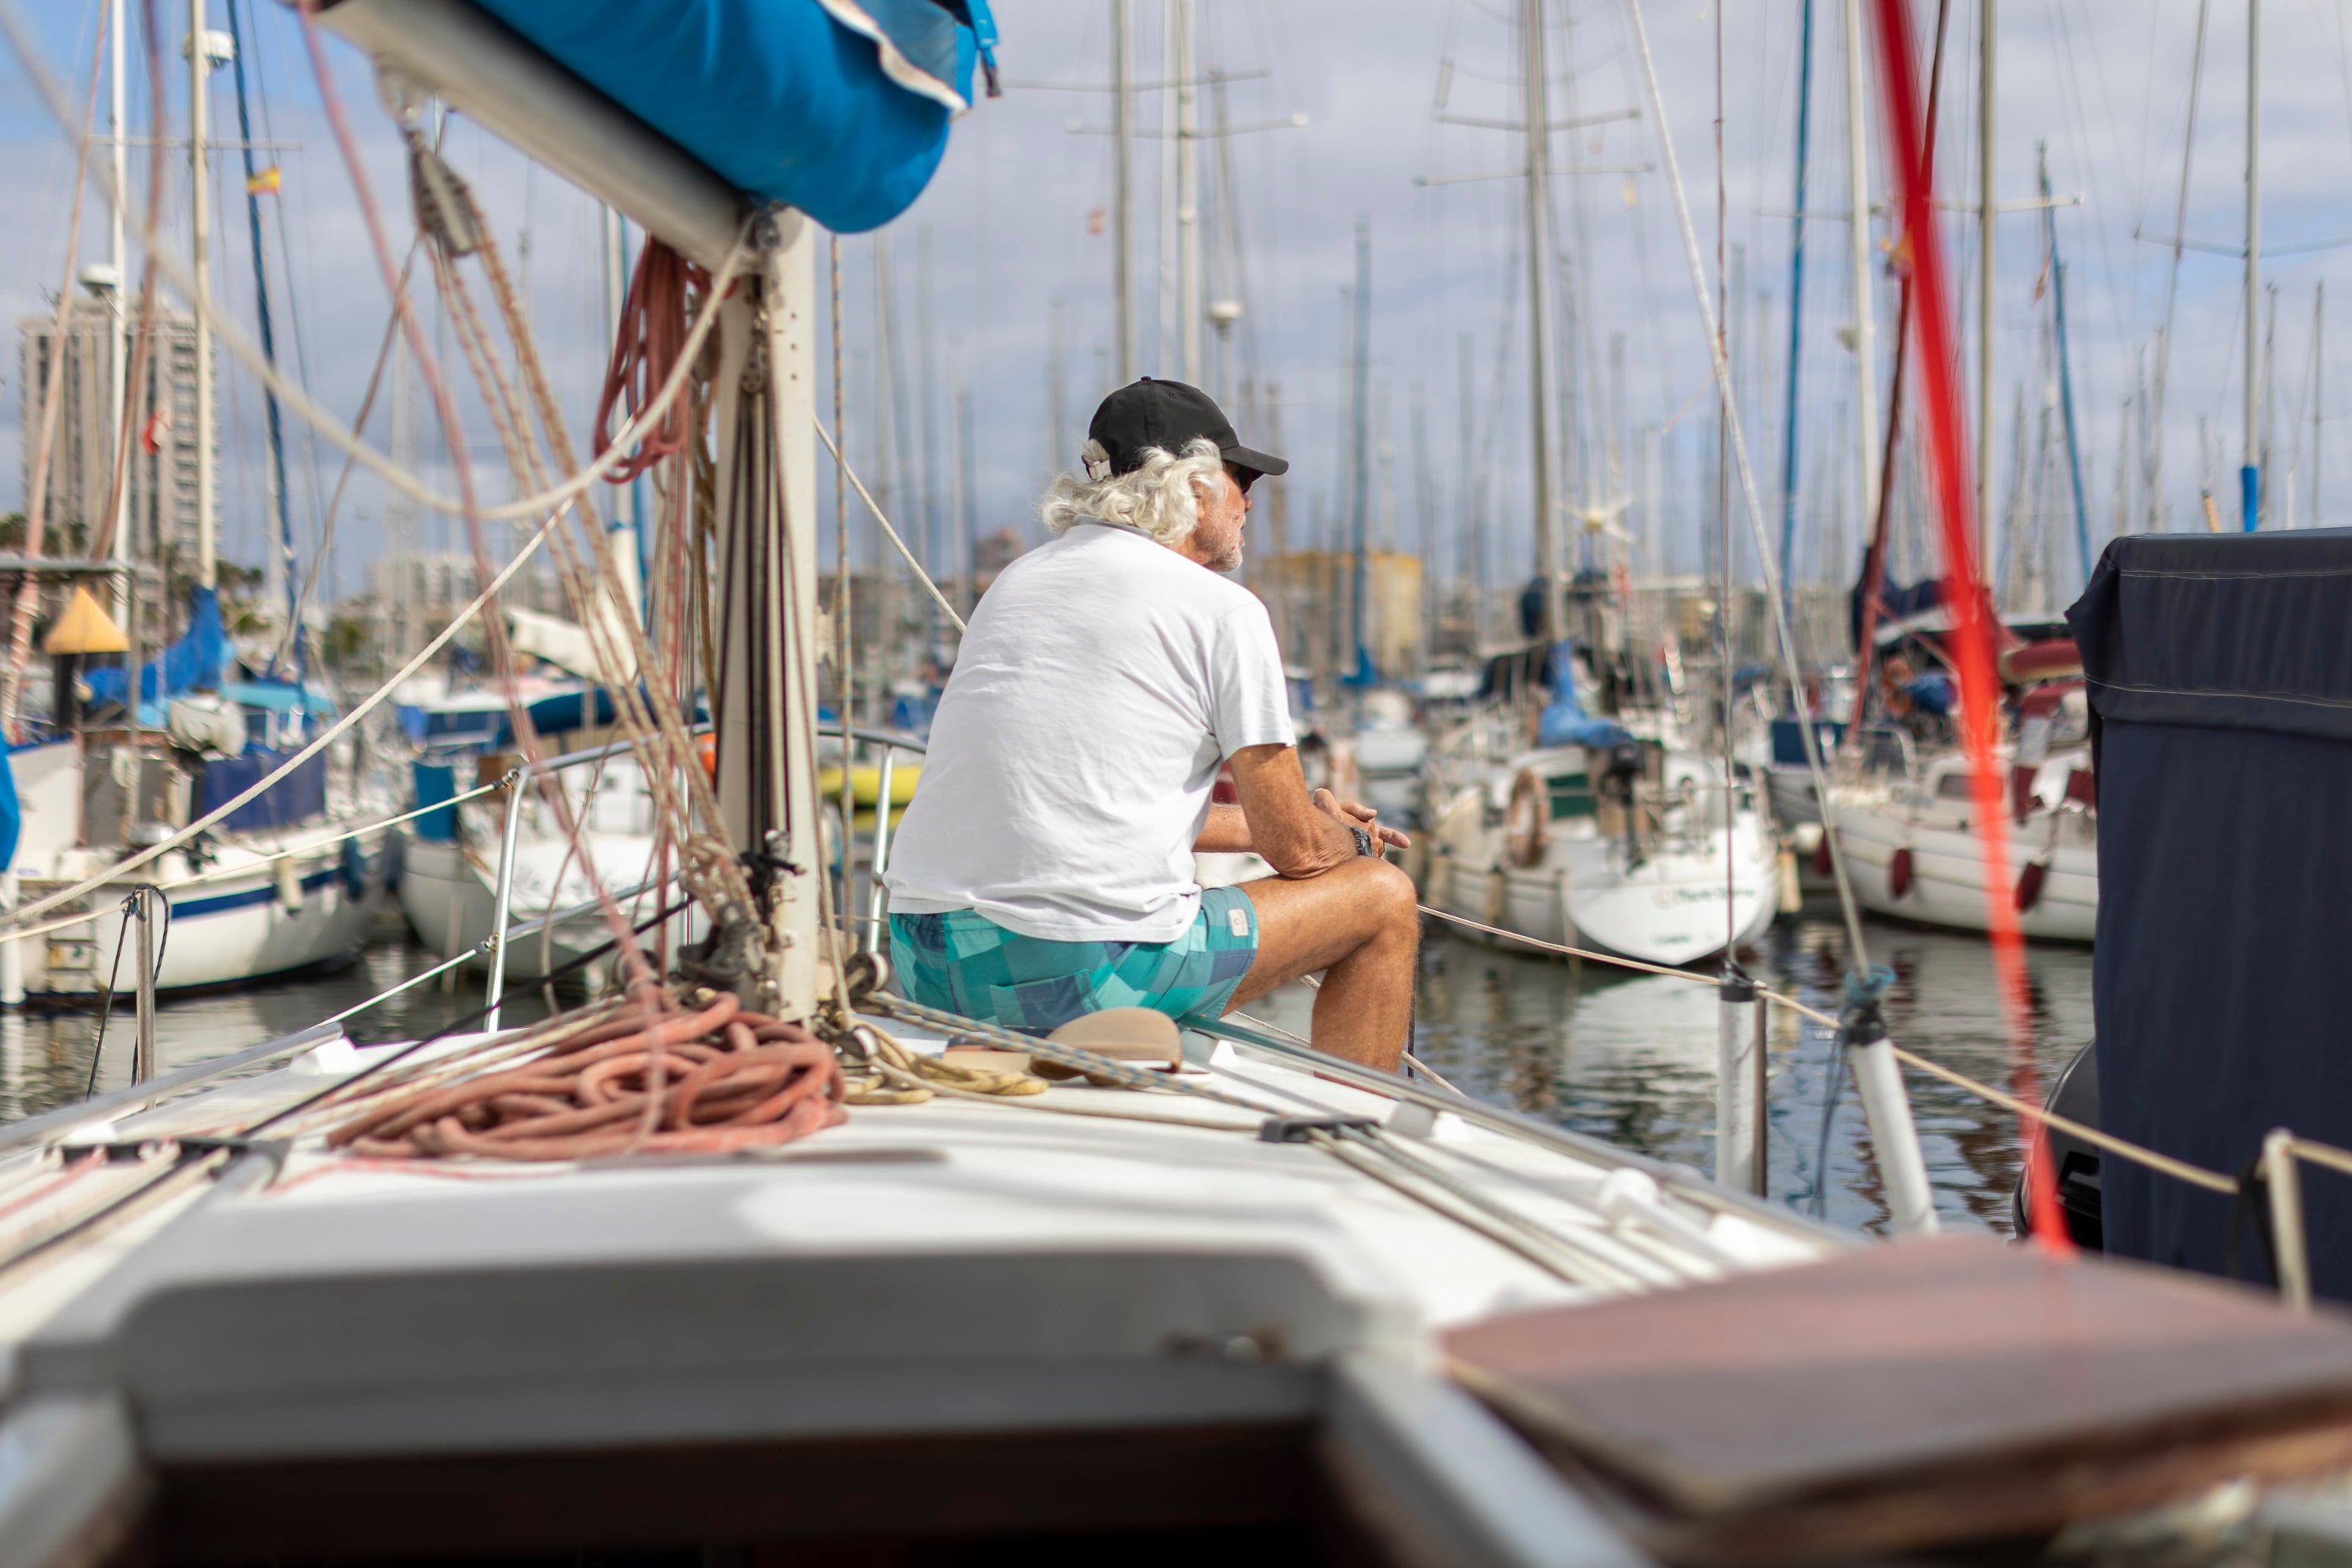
{"x": 865, "y": 783}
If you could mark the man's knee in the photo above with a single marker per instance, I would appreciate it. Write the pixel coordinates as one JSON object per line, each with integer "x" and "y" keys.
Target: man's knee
{"x": 1390, "y": 897}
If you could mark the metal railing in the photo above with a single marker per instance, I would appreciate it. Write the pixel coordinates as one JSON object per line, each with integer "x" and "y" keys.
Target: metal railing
{"x": 502, "y": 890}
{"x": 892, "y": 742}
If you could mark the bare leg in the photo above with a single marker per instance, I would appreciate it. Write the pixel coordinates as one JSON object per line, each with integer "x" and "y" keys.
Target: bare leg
{"x": 1357, "y": 922}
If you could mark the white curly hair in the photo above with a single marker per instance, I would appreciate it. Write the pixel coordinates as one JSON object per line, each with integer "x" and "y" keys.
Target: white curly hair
{"x": 1160, "y": 499}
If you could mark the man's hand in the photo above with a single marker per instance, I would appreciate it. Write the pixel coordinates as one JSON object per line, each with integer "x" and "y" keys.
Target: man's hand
{"x": 1284, "y": 825}
{"x": 1356, "y": 814}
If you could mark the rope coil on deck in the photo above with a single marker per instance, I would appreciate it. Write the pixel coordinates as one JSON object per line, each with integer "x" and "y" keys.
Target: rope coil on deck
{"x": 711, "y": 1081}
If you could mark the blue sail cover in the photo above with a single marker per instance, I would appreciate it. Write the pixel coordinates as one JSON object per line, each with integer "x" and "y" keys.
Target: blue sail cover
{"x": 195, "y": 663}
{"x": 839, "y": 108}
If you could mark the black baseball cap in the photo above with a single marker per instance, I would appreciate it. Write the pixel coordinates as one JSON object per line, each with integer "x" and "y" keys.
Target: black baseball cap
{"x": 1170, "y": 416}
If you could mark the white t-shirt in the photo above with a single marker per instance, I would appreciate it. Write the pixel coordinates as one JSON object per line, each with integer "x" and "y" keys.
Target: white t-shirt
{"x": 1103, "y": 680}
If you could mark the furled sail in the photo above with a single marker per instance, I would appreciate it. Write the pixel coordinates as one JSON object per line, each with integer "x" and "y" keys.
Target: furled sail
{"x": 838, "y": 107}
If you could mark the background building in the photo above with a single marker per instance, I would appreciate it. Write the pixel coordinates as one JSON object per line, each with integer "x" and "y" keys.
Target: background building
{"x": 162, "y": 478}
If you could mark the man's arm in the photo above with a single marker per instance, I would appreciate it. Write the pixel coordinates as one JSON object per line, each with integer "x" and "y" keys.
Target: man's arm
{"x": 1299, "y": 835}
{"x": 1225, "y": 833}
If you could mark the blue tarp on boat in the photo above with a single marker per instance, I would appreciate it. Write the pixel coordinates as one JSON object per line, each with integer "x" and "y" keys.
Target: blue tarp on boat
{"x": 2220, "y": 674}
{"x": 1563, "y": 721}
{"x": 296, "y": 798}
{"x": 839, "y": 108}
{"x": 197, "y": 661}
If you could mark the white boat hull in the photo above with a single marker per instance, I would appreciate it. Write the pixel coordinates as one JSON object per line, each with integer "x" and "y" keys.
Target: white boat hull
{"x": 449, "y": 895}
{"x": 258, "y": 922}
{"x": 1946, "y": 880}
{"x": 1680, "y": 898}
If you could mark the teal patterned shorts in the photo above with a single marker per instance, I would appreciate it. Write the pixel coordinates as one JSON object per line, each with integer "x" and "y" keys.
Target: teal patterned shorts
{"x": 965, "y": 963}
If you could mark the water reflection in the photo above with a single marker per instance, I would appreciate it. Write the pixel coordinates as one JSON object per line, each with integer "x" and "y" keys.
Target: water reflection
{"x": 46, "y": 1056}
{"x": 1630, "y": 1058}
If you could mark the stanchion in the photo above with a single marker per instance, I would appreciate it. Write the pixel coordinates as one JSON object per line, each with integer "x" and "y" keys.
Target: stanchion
{"x": 12, "y": 954}
{"x": 875, "y": 894}
{"x": 502, "y": 900}
{"x": 1738, "y": 1089}
{"x": 1878, "y": 1078}
{"x": 142, "y": 1056}
{"x": 2283, "y": 1180}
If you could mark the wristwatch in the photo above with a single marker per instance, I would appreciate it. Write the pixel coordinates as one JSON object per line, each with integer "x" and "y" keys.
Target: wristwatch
{"x": 1364, "y": 845}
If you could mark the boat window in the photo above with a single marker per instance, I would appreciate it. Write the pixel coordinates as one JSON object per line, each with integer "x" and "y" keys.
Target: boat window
{"x": 1571, "y": 795}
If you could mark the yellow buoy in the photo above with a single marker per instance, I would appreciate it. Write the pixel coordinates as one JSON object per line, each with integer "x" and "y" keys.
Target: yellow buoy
{"x": 865, "y": 783}
{"x": 85, "y": 628}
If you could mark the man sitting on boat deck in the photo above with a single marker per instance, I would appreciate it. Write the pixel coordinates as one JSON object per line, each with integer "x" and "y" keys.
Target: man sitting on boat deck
{"x": 1044, "y": 870}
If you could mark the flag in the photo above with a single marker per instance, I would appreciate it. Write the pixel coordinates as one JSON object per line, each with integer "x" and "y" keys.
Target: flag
{"x": 263, "y": 184}
{"x": 159, "y": 426}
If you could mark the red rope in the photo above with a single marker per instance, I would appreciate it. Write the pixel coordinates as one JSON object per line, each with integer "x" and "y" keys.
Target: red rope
{"x": 1964, "y": 597}
{"x": 664, "y": 299}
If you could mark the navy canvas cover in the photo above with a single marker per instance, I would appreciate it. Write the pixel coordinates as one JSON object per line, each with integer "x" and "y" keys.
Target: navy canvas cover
{"x": 300, "y": 797}
{"x": 2220, "y": 672}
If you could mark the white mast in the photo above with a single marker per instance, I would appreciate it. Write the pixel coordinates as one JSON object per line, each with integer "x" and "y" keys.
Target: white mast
{"x": 1188, "y": 197}
{"x": 1122, "y": 221}
{"x": 2249, "y": 475}
{"x": 118, "y": 369}
{"x": 199, "y": 193}
{"x": 1533, "y": 109}
{"x": 1865, "y": 351}
{"x": 1985, "y": 216}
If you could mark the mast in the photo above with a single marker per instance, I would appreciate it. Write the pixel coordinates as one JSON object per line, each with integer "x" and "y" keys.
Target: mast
{"x": 1796, "y": 301}
{"x": 2249, "y": 475}
{"x": 199, "y": 194}
{"x": 2065, "y": 366}
{"x": 281, "y": 575}
{"x": 1188, "y": 197}
{"x": 117, "y": 368}
{"x": 1359, "y": 464}
{"x": 1985, "y": 257}
{"x": 1538, "y": 219}
{"x": 2318, "y": 362}
{"x": 1122, "y": 199}
{"x": 1865, "y": 352}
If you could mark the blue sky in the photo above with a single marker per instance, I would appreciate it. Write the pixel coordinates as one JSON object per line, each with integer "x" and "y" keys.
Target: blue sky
{"x": 2102, "y": 82}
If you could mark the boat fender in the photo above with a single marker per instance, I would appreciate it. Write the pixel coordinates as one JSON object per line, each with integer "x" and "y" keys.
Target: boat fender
{"x": 1527, "y": 819}
{"x": 354, "y": 869}
{"x": 1824, "y": 862}
{"x": 2029, "y": 884}
{"x": 289, "y": 883}
{"x": 1898, "y": 873}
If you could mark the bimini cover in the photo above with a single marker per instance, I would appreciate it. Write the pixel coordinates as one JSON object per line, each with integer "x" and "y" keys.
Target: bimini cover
{"x": 2219, "y": 668}
{"x": 839, "y": 108}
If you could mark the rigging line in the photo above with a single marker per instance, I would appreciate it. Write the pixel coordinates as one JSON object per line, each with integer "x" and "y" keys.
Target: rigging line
{"x": 859, "y": 485}
{"x": 1775, "y": 602}
{"x": 144, "y": 229}
{"x": 2164, "y": 1164}
{"x": 37, "y": 487}
{"x": 359, "y": 423}
{"x": 43, "y": 905}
